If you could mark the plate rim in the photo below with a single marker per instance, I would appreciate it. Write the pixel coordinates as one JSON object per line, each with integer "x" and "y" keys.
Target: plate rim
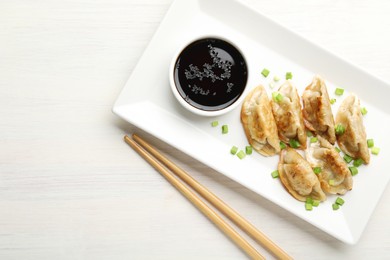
{"x": 119, "y": 106}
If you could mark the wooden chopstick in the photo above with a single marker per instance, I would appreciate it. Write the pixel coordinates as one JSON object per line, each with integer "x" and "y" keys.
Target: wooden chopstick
{"x": 216, "y": 202}
{"x": 190, "y": 195}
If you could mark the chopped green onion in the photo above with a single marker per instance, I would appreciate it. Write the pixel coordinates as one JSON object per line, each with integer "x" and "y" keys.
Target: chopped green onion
{"x": 294, "y": 143}
{"x": 339, "y": 91}
{"x": 214, "y": 123}
{"x": 316, "y": 203}
{"x": 225, "y": 129}
{"x": 313, "y": 140}
{"x": 276, "y": 96}
{"x": 353, "y": 170}
{"x": 308, "y": 206}
{"x": 358, "y": 162}
{"x": 309, "y": 200}
{"x": 309, "y": 133}
{"x": 370, "y": 143}
{"x": 276, "y": 78}
{"x": 289, "y": 75}
{"x": 248, "y": 150}
{"x": 271, "y": 85}
{"x": 347, "y": 158}
{"x": 265, "y": 72}
{"x": 275, "y": 174}
{"x": 375, "y": 150}
{"x": 282, "y": 145}
{"x": 331, "y": 182}
{"x": 310, "y": 203}
{"x": 339, "y": 201}
{"x": 234, "y": 150}
{"x": 337, "y": 149}
{"x": 339, "y": 129}
{"x": 364, "y": 111}
{"x": 317, "y": 170}
{"x": 335, "y": 206}
{"x": 332, "y": 101}
{"x": 241, "y": 154}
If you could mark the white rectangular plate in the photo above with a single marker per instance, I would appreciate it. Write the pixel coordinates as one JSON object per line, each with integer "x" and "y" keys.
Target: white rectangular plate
{"x": 147, "y": 102}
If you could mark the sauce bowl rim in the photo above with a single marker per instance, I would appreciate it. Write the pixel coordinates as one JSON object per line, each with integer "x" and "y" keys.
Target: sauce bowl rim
{"x": 181, "y": 100}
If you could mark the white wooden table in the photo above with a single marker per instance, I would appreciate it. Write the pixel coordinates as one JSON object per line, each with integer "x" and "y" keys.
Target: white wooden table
{"x": 70, "y": 188}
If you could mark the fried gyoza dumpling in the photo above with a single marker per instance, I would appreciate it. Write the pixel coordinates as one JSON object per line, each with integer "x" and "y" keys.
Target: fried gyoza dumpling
{"x": 259, "y": 123}
{"x": 334, "y": 175}
{"x": 288, "y": 115}
{"x": 298, "y": 177}
{"x": 317, "y": 112}
{"x": 353, "y": 141}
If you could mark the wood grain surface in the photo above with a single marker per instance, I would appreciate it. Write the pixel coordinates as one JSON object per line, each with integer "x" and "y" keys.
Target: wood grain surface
{"x": 70, "y": 188}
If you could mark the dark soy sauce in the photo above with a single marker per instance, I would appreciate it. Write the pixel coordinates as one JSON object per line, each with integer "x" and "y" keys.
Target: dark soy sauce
{"x": 210, "y": 74}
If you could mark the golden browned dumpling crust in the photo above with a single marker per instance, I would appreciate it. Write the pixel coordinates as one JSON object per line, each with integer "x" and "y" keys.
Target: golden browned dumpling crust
{"x": 335, "y": 177}
{"x": 354, "y": 140}
{"x": 288, "y": 115}
{"x": 298, "y": 177}
{"x": 317, "y": 112}
{"x": 259, "y": 123}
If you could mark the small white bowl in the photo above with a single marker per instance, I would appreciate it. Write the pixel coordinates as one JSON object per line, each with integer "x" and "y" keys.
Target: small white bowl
{"x": 218, "y": 110}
